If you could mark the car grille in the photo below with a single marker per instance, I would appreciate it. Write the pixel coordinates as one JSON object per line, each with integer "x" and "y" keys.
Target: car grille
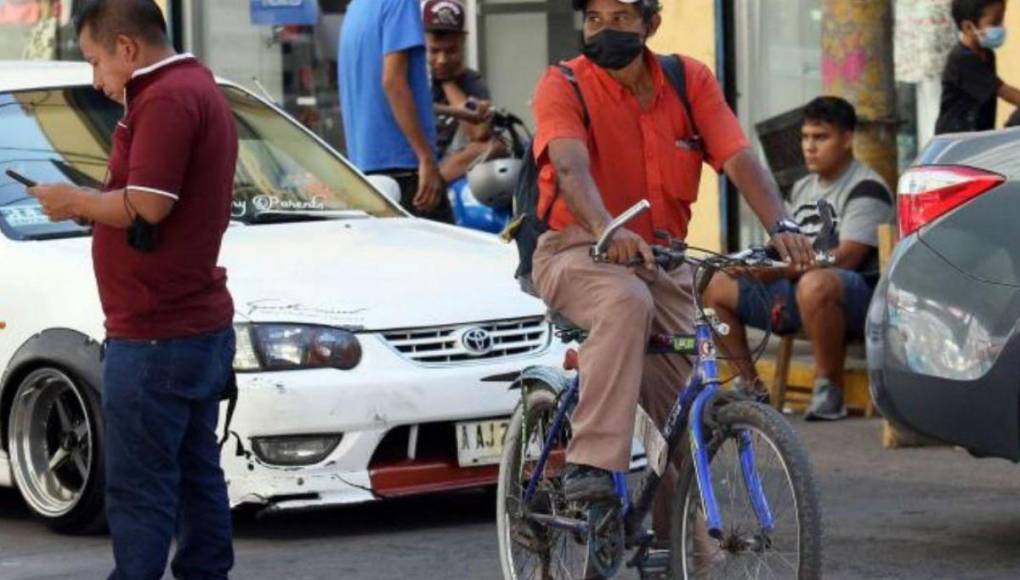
{"x": 452, "y": 344}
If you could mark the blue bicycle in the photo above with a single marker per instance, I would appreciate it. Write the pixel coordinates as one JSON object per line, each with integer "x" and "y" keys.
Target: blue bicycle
{"x": 746, "y": 504}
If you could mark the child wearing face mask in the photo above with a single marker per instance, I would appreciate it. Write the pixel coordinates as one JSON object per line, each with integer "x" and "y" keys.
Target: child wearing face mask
{"x": 971, "y": 86}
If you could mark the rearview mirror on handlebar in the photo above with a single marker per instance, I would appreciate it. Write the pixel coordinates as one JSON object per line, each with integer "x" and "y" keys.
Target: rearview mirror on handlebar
{"x": 827, "y": 238}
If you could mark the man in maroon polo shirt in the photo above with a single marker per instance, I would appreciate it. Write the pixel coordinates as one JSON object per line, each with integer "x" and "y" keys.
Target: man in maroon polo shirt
{"x": 157, "y": 231}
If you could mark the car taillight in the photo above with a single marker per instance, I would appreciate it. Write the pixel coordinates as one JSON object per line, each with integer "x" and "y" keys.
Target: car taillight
{"x": 927, "y": 192}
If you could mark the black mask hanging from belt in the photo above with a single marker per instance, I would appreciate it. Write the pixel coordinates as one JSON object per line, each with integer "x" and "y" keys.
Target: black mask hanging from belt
{"x": 613, "y": 49}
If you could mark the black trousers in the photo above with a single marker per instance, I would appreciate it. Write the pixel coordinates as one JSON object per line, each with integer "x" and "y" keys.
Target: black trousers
{"x": 407, "y": 179}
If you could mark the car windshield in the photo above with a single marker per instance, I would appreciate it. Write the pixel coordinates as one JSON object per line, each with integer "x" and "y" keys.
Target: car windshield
{"x": 64, "y": 135}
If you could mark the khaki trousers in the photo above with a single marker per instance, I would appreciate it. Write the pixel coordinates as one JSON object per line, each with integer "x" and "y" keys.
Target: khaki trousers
{"x": 620, "y": 307}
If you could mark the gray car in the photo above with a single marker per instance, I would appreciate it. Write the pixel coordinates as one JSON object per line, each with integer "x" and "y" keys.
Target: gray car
{"x": 943, "y": 350}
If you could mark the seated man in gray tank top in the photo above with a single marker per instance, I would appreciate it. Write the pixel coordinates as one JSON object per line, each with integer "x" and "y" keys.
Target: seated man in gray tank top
{"x": 829, "y": 304}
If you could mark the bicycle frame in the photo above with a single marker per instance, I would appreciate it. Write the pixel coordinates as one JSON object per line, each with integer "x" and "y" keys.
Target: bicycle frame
{"x": 688, "y": 413}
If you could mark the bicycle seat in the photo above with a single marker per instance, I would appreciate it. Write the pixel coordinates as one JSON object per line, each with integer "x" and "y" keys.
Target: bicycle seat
{"x": 566, "y": 329}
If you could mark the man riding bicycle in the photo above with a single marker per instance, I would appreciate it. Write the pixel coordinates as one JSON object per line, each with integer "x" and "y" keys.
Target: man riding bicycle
{"x": 630, "y": 139}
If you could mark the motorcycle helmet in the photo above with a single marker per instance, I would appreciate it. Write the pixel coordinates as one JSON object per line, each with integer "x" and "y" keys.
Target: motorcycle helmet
{"x": 493, "y": 182}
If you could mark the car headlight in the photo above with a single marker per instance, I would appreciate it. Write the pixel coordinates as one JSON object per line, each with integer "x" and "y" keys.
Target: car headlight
{"x": 295, "y": 450}
{"x": 282, "y": 347}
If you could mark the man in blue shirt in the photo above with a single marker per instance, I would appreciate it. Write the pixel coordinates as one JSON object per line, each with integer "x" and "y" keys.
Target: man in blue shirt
{"x": 386, "y": 99}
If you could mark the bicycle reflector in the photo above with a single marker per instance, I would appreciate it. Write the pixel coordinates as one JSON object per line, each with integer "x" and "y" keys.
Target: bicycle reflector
{"x": 929, "y": 192}
{"x": 571, "y": 360}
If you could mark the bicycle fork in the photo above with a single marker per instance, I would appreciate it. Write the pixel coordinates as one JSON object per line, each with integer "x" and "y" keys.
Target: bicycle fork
{"x": 700, "y": 446}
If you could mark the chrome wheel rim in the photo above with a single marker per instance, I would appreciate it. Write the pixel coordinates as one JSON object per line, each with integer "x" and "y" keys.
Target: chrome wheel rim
{"x": 51, "y": 442}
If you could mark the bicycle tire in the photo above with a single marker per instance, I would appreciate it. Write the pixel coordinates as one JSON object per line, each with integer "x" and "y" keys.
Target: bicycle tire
{"x": 523, "y": 545}
{"x": 696, "y": 555}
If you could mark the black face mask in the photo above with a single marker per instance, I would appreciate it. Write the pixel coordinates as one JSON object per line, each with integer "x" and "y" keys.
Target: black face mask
{"x": 613, "y": 49}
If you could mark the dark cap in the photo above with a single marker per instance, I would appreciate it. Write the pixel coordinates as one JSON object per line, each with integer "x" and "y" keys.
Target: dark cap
{"x": 443, "y": 16}
{"x": 581, "y": 4}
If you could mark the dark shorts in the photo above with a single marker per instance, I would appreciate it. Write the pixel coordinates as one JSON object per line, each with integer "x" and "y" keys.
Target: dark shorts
{"x": 776, "y": 304}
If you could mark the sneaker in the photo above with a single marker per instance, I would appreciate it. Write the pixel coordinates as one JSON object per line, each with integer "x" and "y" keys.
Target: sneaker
{"x": 582, "y": 483}
{"x": 826, "y": 403}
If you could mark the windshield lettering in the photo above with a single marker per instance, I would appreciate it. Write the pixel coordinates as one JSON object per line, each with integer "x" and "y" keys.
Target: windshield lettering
{"x": 272, "y": 202}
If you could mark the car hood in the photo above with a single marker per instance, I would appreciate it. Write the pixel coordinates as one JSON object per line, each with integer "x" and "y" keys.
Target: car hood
{"x": 372, "y": 273}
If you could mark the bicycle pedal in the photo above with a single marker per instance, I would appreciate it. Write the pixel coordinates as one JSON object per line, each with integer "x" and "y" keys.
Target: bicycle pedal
{"x": 655, "y": 561}
{"x": 654, "y": 565}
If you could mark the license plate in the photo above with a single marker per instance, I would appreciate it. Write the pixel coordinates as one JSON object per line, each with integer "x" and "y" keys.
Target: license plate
{"x": 480, "y": 442}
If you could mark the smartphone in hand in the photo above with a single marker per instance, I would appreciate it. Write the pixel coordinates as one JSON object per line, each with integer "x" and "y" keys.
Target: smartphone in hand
{"x": 20, "y": 178}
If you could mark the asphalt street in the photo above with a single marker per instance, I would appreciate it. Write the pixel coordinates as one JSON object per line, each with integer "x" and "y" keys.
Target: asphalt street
{"x": 909, "y": 513}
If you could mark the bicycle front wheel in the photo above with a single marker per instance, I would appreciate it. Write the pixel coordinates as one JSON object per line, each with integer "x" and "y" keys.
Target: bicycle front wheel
{"x": 792, "y": 548}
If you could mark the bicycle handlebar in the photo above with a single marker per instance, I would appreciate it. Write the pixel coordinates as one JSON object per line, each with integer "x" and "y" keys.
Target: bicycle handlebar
{"x": 755, "y": 257}
{"x": 768, "y": 257}
{"x": 672, "y": 256}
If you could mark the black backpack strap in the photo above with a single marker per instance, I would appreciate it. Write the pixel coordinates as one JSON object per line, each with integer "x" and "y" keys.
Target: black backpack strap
{"x": 569, "y": 73}
{"x": 676, "y": 71}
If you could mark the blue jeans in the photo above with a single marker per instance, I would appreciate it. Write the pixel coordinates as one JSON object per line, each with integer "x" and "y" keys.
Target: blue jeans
{"x": 163, "y": 475}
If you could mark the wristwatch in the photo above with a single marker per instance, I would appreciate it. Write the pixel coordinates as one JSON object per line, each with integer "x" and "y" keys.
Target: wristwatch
{"x": 785, "y": 226}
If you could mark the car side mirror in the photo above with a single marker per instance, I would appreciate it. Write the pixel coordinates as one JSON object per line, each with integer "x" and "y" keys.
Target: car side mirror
{"x": 827, "y": 238}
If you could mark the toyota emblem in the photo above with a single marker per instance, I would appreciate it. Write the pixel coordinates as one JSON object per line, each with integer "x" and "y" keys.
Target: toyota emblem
{"x": 476, "y": 341}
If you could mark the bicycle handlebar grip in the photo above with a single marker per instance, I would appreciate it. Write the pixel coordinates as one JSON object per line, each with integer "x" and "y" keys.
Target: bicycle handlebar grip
{"x": 632, "y": 212}
{"x": 663, "y": 259}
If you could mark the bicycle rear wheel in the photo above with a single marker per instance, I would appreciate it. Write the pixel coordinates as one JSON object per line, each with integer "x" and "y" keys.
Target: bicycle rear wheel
{"x": 792, "y": 550}
{"x": 527, "y": 549}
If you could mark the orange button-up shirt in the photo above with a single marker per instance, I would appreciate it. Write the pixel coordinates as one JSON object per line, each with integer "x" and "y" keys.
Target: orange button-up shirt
{"x": 635, "y": 154}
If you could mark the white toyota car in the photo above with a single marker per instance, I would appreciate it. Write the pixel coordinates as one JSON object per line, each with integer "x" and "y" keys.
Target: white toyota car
{"x": 373, "y": 348}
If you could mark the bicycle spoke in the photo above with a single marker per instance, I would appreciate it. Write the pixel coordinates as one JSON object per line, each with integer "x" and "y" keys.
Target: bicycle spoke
{"x": 740, "y": 554}
{"x": 782, "y": 558}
